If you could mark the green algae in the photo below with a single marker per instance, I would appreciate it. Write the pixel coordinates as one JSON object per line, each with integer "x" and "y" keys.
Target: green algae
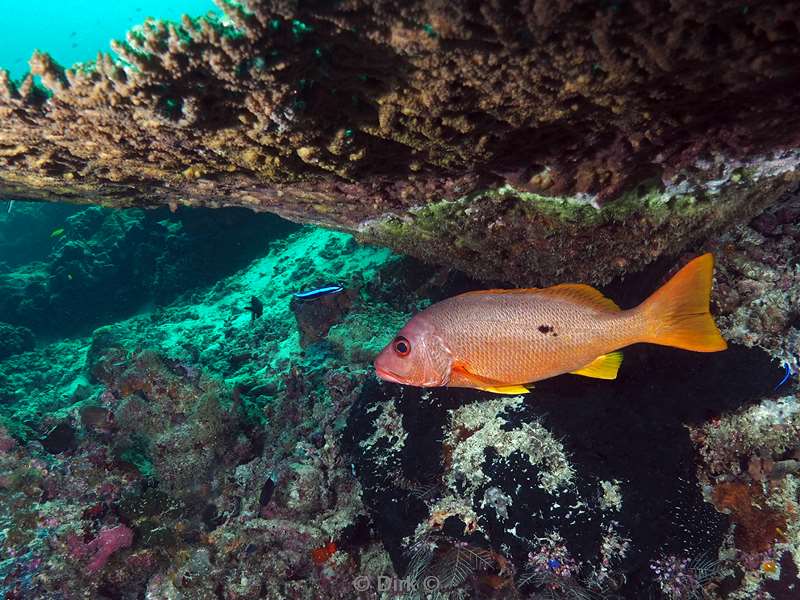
{"x": 430, "y": 31}
{"x": 138, "y": 455}
{"x": 365, "y": 332}
{"x": 525, "y": 238}
{"x": 427, "y": 221}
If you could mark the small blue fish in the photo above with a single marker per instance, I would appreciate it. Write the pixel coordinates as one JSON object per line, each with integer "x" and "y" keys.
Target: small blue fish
{"x": 786, "y": 376}
{"x": 318, "y": 293}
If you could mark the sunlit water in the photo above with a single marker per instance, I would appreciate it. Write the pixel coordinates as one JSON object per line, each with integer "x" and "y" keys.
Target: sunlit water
{"x": 76, "y": 30}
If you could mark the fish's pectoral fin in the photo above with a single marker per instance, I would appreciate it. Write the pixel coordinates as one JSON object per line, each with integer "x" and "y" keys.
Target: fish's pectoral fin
{"x": 511, "y": 390}
{"x": 462, "y": 372}
{"x": 604, "y": 366}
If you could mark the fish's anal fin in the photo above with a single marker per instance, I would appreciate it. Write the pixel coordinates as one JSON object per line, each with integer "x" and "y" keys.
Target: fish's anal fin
{"x": 511, "y": 390}
{"x": 604, "y": 366}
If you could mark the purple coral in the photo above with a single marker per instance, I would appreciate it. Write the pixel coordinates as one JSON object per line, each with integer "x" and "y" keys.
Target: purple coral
{"x": 103, "y": 546}
{"x": 551, "y": 567}
{"x": 683, "y": 578}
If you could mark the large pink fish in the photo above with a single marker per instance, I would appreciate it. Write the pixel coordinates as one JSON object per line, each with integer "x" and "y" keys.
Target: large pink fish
{"x": 502, "y": 340}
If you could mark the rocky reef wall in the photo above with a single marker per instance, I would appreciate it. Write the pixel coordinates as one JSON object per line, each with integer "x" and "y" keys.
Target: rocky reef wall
{"x": 200, "y": 447}
{"x": 174, "y": 425}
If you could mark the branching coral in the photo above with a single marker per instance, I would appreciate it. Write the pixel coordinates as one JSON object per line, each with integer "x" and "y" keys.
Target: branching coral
{"x": 353, "y": 114}
{"x": 479, "y": 426}
{"x": 683, "y": 578}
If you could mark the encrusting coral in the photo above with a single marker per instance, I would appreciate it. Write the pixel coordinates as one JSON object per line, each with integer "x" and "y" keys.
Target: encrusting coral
{"x": 757, "y": 280}
{"x": 420, "y": 124}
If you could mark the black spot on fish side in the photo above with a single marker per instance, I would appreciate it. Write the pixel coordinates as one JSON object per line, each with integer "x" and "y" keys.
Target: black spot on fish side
{"x": 545, "y": 328}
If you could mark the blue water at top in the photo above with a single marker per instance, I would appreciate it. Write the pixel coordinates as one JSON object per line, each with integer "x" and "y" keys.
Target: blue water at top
{"x": 75, "y": 30}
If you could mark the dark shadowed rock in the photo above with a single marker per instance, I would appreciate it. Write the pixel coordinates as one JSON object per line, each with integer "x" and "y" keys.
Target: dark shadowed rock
{"x": 316, "y": 317}
{"x": 60, "y": 438}
{"x": 15, "y": 340}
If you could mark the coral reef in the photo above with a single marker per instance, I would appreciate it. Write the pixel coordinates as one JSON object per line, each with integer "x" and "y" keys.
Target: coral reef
{"x": 414, "y": 123}
{"x": 757, "y": 291}
{"x": 103, "y": 265}
{"x": 210, "y": 464}
{"x": 184, "y": 517}
{"x": 538, "y": 480}
{"x": 191, "y": 450}
{"x": 749, "y": 468}
{"x": 172, "y": 423}
{"x": 14, "y": 340}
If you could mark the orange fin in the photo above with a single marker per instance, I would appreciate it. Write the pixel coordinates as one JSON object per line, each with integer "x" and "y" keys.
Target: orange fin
{"x": 486, "y": 384}
{"x": 678, "y": 312}
{"x": 573, "y": 292}
{"x": 604, "y": 366}
{"x": 463, "y": 370}
{"x": 581, "y": 294}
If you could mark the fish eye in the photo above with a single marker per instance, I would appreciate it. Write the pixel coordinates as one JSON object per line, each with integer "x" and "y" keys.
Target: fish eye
{"x": 401, "y": 345}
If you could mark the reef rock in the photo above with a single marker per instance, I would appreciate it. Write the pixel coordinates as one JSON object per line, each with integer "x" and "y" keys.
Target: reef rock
{"x": 315, "y": 318}
{"x": 536, "y": 484}
{"x": 14, "y": 340}
{"x": 535, "y": 141}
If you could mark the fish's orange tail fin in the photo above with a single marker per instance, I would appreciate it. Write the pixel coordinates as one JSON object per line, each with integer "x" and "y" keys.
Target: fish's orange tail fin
{"x": 677, "y": 314}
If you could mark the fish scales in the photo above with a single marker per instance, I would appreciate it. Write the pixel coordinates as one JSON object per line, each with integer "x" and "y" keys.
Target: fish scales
{"x": 502, "y": 340}
{"x": 532, "y": 337}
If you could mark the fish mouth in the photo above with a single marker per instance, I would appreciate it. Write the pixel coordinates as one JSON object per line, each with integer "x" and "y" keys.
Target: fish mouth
{"x": 387, "y": 375}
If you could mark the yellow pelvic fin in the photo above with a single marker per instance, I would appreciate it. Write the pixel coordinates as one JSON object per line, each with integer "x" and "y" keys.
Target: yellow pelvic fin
{"x": 604, "y": 366}
{"x": 510, "y": 390}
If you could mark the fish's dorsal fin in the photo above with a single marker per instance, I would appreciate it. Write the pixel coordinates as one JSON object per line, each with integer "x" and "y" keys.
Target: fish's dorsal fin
{"x": 604, "y": 366}
{"x": 575, "y": 292}
{"x": 581, "y": 294}
{"x": 494, "y": 292}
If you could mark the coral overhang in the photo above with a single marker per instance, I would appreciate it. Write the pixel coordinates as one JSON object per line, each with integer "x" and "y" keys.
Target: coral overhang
{"x": 350, "y": 114}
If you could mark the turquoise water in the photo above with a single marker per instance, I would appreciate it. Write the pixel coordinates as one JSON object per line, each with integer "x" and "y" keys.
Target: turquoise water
{"x": 75, "y": 30}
